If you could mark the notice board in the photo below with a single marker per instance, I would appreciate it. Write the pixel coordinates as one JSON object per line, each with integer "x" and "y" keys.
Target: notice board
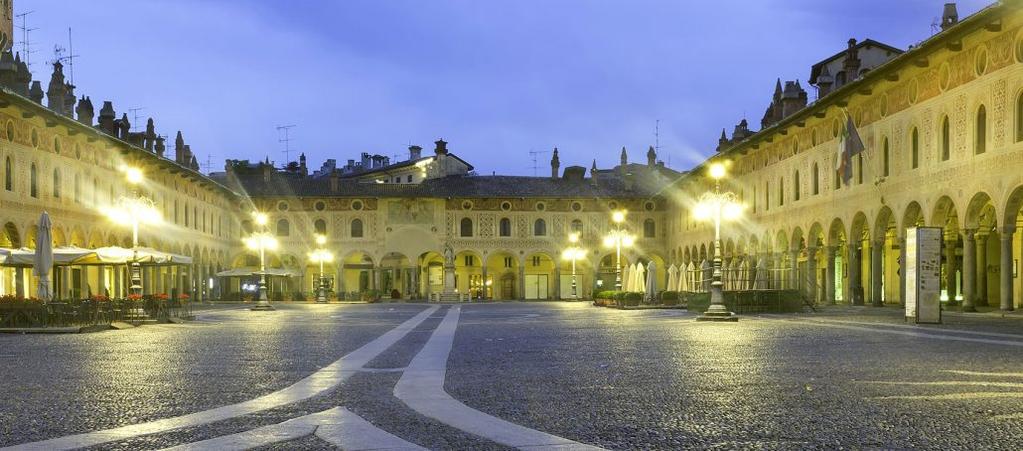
{"x": 923, "y": 274}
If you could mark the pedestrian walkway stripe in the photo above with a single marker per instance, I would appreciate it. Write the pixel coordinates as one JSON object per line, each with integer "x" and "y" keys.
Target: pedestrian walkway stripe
{"x": 337, "y": 426}
{"x": 915, "y": 327}
{"x": 421, "y": 387}
{"x": 931, "y": 333}
{"x": 325, "y": 379}
{"x": 983, "y": 374}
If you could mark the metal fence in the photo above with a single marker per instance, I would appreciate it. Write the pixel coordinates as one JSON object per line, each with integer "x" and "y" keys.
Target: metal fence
{"x": 84, "y": 313}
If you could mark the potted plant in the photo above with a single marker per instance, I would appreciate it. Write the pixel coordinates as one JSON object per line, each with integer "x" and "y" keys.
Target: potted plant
{"x": 669, "y": 298}
{"x": 632, "y": 299}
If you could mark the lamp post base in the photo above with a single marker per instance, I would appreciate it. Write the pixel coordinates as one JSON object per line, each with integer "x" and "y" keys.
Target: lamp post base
{"x": 262, "y": 306}
{"x": 718, "y": 312}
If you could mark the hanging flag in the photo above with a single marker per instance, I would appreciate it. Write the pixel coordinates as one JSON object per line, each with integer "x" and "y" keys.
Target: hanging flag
{"x": 849, "y": 144}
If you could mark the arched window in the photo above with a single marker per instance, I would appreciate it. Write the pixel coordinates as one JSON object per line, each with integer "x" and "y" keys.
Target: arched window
{"x": 356, "y": 228}
{"x": 283, "y": 227}
{"x": 195, "y": 218}
{"x": 781, "y": 192}
{"x": 56, "y": 183}
{"x": 8, "y": 175}
{"x": 838, "y": 179}
{"x": 465, "y": 227}
{"x": 649, "y": 228}
{"x": 859, "y": 168}
{"x": 914, "y": 152}
{"x": 577, "y": 226}
{"x": 505, "y": 227}
{"x": 795, "y": 187}
{"x": 540, "y": 228}
{"x": 185, "y": 208}
{"x": 816, "y": 179}
{"x": 767, "y": 196}
{"x": 1019, "y": 118}
{"x": 78, "y": 189}
{"x": 981, "y": 130}
{"x": 320, "y": 226}
{"x": 945, "y": 140}
{"x": 33, "y": 189}
{"x": 884, "y": 157}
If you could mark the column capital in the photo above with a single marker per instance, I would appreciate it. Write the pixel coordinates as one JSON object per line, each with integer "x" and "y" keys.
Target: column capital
{"x": 968, "y": 234}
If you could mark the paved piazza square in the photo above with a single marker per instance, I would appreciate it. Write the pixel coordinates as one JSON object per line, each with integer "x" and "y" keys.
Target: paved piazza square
{"x": 499, "y": 376}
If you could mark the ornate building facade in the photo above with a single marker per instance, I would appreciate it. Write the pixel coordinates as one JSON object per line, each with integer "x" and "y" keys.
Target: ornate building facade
{"x": 942, "y": 124}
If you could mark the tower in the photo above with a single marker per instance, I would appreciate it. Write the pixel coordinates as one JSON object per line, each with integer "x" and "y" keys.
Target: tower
{"x": 56, "y": 92}
{"x": 555, "y": 164}
{"x": 949, "y": 17}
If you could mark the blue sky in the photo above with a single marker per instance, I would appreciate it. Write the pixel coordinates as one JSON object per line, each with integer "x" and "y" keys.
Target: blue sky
{"x": 494, "y": 78}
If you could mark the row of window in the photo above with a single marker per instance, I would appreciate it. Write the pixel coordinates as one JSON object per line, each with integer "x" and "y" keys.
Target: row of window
{"x": 944, "y": 154}
{"x": 465, "y": 227}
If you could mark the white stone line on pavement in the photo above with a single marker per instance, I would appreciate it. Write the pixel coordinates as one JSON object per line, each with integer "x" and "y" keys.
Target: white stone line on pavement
{"x": 956, "y": 396}
{"x": 931, "y": 333}
{"x": 949, "y": 383}
{"x": 983, "y": 373}
{"x": 915, "y": 327}
{"x": 337, "y": 426}
{"x": 322, "y": 380}
{"x": 421, "y": 387}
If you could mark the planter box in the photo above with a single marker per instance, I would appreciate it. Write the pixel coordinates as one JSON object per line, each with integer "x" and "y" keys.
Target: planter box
{"x": 748, "y": 301}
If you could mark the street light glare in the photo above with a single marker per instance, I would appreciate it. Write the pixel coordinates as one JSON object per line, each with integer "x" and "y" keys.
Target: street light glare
{"x": 628, "y": 241}
{"x": 260, "y": 218}
{"x": 609, "y": 241}
{"x": 717, "y": 171}
{"x": 321, "y": 240}
{"x": 134, "y": 175}
{"x": 574, "y": 237}
{"x": 732, "y": 211}
{"x": 618, "y": 216}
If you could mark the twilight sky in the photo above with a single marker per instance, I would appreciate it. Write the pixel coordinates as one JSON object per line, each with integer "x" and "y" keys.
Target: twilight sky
{"x": 494, "y": 78}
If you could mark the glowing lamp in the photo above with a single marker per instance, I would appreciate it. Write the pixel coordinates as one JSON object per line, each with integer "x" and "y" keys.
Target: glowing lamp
{"x": 717, "y": 171}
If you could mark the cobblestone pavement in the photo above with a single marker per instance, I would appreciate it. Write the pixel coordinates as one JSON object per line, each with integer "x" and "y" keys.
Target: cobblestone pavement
{"x": 845, "y": 377}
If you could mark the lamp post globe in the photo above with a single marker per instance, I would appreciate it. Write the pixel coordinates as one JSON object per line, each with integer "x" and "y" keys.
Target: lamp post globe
{"x": 716, "y": 207}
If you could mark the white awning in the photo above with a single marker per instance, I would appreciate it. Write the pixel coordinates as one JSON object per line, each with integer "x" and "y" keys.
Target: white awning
{"x": 70, "y": 255}
{"x": 244, "y": 272}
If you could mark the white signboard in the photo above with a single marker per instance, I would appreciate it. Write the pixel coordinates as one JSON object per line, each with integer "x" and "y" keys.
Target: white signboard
{"x": 923, "y": 274}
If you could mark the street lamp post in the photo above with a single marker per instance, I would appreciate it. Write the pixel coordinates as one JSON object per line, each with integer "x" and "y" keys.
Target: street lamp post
{"x": 717, "y": 206}
{"x": 321, "y": 256}
{"x": 261, "y": 241}
{"x": 574, "y": 253}
{"x": 134, "y": 210}
{"x": 618, "y": 238}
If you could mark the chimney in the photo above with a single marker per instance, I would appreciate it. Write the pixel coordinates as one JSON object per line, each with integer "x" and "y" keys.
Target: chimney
{"x": 160, "y": 147}
{"x": 179, "y": 148}
{"x": 555, "y": 164}
{"x": 69, "y": 100}
{"x": 150, "y": 137}
{"x": 415, "y": 152}
{"x": 106, "y": 117}
{"x": 85, "y": 111}
{"x": 125, "y": 127}
{"x": 335, "y": 182}
{"x": 949, "y": 17}
{"x": 301, "y": 165}
{"x": 852, "y": 62}
{"x": 442, "y": 147}
{"x": 56, "y": 92}
{"x": 651, "y": 157}
{"x": 36, "y": 92}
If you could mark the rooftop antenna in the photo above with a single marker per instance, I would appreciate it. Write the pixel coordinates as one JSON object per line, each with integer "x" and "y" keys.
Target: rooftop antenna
{"x": 209, "y": 163}
{"x": 26, "y": 45}
{"x": 657, "y": 140}
{"x": 286, "y": 140}
{"x": 533, "y": 154}
{"x": 135, "y": 117}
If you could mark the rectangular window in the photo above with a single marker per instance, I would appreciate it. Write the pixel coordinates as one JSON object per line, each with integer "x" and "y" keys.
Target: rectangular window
{"x": 409, "y": 178}
{"x": 470, "y": 260}
{"x": 536, "y": 260}
{"x": 507, "y": 262}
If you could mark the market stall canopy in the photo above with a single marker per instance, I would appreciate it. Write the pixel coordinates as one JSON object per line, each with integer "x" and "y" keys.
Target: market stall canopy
{"x": 243, "y": 272}
{"x": 71, "y": 255}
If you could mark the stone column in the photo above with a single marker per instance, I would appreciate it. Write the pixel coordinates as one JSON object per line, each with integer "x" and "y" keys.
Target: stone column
{"x": 902, "y": 270}
{"x": 486, "y": 289}
{"x": 794, "y": 268}
{"x": 339, "y": 286}
{"x": 377, "y": 273}
{"x": 811, "y": 273}
{"x": 829, "y": 277}
{"x": 19, "y": 282}
{"x": 522, "y": 280}
{"x": 557, "y": 283}
{"x": 1006, "y": 270}
{"x": 101, "y": 280}
{"x": 950, "y": 275}
{"x": 969, "y": 270}
{"x": 876, "y": 273}
{"x": 855, "y": 272}
{"x": 980, "y": 296}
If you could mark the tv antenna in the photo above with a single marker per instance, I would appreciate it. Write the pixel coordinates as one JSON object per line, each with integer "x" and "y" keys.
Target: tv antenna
{"x": 26, "y": 45}
{"x": 209, "y": 163}
{"x": 286, "y": 140}
{"x": 59, "y": 55}
{"x": 135, "y": 117}
{"x": 533, "y": 154}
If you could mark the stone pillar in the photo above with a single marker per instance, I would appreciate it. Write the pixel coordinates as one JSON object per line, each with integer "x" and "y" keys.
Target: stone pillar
{"x": 855, "y": 272}
{"x": 876, "y": 273}
{"x": 339, "y": 286}
{"x": 980, "y": 295}
{"x": 101, "y": 280}
{"x": 969, "y": 270}
{"x": 557, "y": 283}
{"x": 522, "y": 280}
{"x": 486, "y": 289}
{"x": 19, "y": 282}
{"x": 950, "y": 274}
{"x": 794, "y": 268}
{"x": 1006, "y": 270}
{"x": 829, "y": 277}
{"x": 377, "y": 277}
{"x": 811, "y": 273}
{"x": 902, "y": 270}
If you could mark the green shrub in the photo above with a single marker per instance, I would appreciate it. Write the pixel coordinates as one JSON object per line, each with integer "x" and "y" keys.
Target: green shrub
{"x": 669, "y": 298}
{"x": 632, "y": 299}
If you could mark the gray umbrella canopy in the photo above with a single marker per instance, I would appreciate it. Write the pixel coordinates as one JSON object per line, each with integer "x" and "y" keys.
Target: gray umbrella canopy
{"x": 43, "y": 262}
{"x": 762, "y": 275}
{"x": 706, "y": 274}
{"x": 651, "y": 281}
